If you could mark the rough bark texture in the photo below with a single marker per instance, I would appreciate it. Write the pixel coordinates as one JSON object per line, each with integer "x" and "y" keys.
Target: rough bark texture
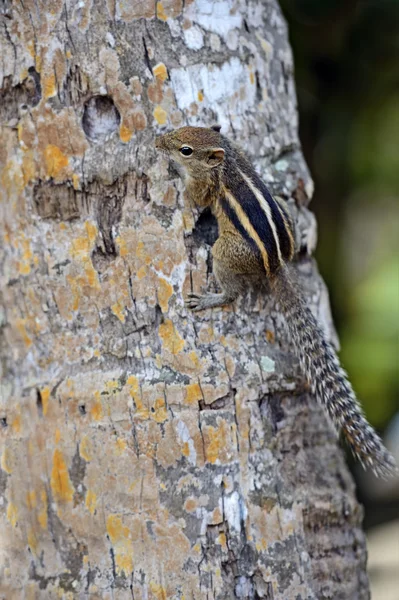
{"x": 147, "y": 452}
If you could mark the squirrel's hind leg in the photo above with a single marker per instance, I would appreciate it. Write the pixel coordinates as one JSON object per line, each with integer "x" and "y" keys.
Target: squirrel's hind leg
{"x": 233, "y": 263}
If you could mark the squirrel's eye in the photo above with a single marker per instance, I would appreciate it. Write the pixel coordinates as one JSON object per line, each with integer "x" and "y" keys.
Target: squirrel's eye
{"x": 186, "y": 150}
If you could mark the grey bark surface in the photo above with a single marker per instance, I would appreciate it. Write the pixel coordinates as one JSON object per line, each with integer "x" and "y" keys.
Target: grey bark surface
{"x": 147, "y": 452}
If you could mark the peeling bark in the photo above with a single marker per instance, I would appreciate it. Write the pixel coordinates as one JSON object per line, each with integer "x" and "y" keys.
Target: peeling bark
{"x": 147, "y": 452}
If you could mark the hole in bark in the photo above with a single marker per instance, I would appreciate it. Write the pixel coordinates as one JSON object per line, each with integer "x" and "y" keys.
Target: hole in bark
{"x": 39, "y": 403}
{"x": 82, "y": 409}
{"x": 100, "y": 118}
{"x": 3, "y": 421}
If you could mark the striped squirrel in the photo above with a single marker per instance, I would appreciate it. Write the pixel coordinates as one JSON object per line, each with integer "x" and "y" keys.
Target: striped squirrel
{"x": 256, "y": 238}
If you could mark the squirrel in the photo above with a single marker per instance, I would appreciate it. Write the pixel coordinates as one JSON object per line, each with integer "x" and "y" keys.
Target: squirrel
{"x": 256, "y": 239}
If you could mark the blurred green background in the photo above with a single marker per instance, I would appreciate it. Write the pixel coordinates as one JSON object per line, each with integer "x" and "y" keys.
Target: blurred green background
{"x": 347, "y": 75}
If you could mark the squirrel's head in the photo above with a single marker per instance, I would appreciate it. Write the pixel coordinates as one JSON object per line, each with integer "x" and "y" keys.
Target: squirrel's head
{"x": 194, "y": 149}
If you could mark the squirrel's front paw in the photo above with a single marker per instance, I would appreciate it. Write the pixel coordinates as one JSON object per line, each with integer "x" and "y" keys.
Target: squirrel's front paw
{"x": 195, "y": 302}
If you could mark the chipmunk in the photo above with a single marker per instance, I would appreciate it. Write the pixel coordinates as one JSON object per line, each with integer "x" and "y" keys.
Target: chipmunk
{"x": 256, "y": 240}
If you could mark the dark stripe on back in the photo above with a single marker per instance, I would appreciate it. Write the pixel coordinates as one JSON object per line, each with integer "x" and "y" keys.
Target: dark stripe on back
{"x": 257, "y": 217}
{"x": 232, "y": 216}
{"x": 238, "y": 158}
{"x": 284, "y": 239}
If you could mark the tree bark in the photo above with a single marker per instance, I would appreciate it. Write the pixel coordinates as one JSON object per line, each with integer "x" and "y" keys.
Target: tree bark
{"x": 147, "y": 452}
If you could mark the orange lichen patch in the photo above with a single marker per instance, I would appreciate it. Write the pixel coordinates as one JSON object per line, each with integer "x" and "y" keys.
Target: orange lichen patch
{"x": 121, "y": 539}
{"x": 190, "y": 504}
{"x": 45, "y": 395}
{"x": 160, "y": 115}
{"x": 12, "y": 180}
{"x": 133, "y": 382}
{"x": 5, "y": 461}
{"x": 32, "y": 540}
{"x": 161, "y": 414}
{"x": 123, "y": 251}
{"x": 29, "y": 168}
{"x": 30, "y": 47}
{"x": 12, "y": 514}
{"x": 97, "y": 409}
{"x": 51, "y": 128}
{"x": 55, "y": 161}
{"x": 125, "y": 132}
{"x": 194, "y": 359}
{"x": 158, "y": 591}
{"x": 60, "y": 482}
{"x": 86, "y": 449}
{"x": 216, "y": 516}
{"x": 193, "y": 393}
{"x": 75, "y": 181}
{"x": 49, "y": 88}
{"x": 222, "y": 541}
{"x": 160, "y": 12}
{"x": 121, "y": 446}
{"x": 16, "y": 424}
{"x": 24, "y": 265}
{"x": 200, "y": 96}
{"x": 217, "y": 442}
{"x": 160, "y": 71}
{"x": 169, "y": 9}
{"x": 111, "y": 385}
{"x": 165, "y": 291}
{"x": 171, "y": 340}
{"x": 270, "y": 336}
{"x": 57, "y": 436}
{"x": 42, "y": 516}
{"x": 91, "y": 231}
{"x": 251, "y": 77}
{"x": 91, "y": 501}
{"x": 119, "y": 311}
{"x": 141, "y": 273}
{"x": 186, "y": 449}
{"x": 31, "y": 499}
{"x": 20, "y": 326}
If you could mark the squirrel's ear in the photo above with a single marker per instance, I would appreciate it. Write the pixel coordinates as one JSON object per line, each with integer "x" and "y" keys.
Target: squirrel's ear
{"x": 215, "y": 157}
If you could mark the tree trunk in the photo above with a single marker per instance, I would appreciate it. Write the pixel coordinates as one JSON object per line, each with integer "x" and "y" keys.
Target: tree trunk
{"x": 147, "y": 452}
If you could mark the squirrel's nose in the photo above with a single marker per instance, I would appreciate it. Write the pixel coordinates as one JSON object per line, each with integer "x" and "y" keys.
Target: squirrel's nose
{"x": 159, "y": 141}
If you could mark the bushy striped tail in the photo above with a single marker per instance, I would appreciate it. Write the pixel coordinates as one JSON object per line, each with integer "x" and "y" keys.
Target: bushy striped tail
{"x": 328, "y": 380}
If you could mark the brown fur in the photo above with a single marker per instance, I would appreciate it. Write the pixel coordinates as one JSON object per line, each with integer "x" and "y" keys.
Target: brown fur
{"x": 256, "y": 240}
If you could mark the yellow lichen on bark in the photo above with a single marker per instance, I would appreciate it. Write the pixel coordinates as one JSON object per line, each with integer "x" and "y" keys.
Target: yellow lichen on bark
{"x": 170, "y": 337}
{"x": 61, "y": 485}
{"x": 120, "y": 538}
